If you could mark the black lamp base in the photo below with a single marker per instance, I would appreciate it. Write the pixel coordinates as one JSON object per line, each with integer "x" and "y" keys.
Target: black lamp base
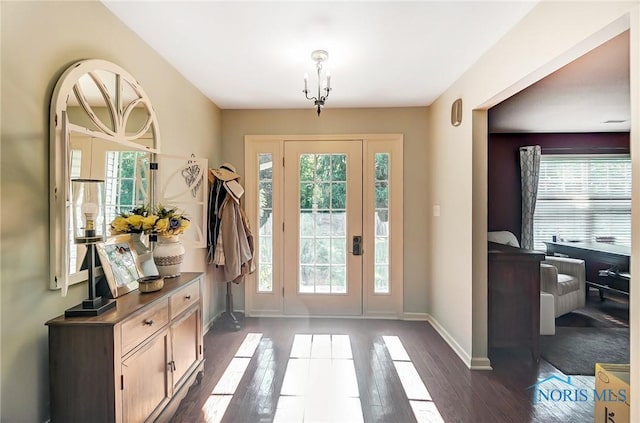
{"x": 93, "y": 307}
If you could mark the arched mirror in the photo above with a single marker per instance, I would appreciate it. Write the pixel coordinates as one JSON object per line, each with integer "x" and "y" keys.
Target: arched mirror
{"x": 103, "y": 126}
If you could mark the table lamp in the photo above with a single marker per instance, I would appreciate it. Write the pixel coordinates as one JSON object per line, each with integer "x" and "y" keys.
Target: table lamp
{"x": 89, "y": 227}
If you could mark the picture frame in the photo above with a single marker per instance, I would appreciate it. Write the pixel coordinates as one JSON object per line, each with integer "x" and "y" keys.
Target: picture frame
{"x": 120, "y": 264}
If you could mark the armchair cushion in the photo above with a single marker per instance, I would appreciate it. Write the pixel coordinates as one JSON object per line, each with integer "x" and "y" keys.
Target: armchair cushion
{"x": 567, "y": 284}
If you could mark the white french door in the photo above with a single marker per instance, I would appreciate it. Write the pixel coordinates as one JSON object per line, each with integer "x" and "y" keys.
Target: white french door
{"x": 322, "y": 215}
{"x": 306, "y": 198}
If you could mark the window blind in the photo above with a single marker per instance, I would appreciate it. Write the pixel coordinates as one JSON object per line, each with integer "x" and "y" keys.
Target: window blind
{"x": 581, "y": 197}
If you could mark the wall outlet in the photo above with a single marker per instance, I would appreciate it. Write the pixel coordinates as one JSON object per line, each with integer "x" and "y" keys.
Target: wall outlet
{"x": 436, "y": 211}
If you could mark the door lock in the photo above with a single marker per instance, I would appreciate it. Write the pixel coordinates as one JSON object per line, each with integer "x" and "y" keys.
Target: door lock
{"x": 357, "y": 245}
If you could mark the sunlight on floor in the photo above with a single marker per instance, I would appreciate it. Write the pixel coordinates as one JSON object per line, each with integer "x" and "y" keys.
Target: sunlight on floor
{"x": 215, "y": 407}
{"x": 320, "y": 382}
{"x": 420, "y": 400}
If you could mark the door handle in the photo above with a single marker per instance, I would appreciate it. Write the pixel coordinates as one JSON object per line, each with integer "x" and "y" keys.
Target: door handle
{"x": 357, "y": 245}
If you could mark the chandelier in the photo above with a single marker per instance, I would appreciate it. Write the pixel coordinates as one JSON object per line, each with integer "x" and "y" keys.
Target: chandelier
{"x": 324, "y": 87}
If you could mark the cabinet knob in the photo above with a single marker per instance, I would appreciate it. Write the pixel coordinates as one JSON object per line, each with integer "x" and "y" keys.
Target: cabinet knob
{"x": 187, "y": 297}
{"x": 148, "y": 322}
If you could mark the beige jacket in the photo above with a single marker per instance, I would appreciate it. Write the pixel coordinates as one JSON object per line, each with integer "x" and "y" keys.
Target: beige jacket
{"x": 234, "y": 247}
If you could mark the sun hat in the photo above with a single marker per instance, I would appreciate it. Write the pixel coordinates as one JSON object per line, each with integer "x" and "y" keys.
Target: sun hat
{"x": 226, "y": 172}
{"x": 234, "y": 188}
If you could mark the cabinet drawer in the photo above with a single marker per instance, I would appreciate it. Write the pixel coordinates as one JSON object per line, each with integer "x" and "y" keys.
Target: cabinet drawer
{"x": 141, "y": 326}
{"x": 184, "y": 298}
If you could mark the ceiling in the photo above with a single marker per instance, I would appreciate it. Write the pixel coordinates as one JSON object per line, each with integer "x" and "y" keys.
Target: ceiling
{"x": 253, "y": 55}
{"x": 590, "y": 94}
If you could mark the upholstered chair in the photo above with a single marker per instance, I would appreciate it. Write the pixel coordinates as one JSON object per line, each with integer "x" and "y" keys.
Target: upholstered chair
{"x": 562, "y": 277}
{"x": 565, "y": 279}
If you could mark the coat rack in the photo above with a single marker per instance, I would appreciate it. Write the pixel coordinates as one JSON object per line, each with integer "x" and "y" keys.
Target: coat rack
{"x": 228, "y": 317}
{"x": 224, "y": 206}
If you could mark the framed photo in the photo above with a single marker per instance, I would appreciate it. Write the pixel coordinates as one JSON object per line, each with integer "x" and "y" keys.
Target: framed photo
{"x": 120, "y": 264}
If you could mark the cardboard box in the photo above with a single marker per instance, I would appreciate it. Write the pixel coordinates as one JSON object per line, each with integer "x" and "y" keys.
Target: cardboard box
{"x": 612, "y": 394}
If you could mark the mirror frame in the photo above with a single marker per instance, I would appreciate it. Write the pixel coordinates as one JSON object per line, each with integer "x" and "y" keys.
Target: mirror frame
{"x": 60, "y": 131}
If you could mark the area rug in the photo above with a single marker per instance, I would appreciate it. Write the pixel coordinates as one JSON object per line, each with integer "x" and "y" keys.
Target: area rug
{"x": 576, "y": 350}
{"x": 598, "y": 313}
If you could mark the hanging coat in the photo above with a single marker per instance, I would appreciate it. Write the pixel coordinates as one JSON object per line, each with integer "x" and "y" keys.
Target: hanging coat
{"x": 233, "y": 255}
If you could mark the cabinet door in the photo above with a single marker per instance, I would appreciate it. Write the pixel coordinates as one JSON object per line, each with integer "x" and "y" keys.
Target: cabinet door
{"x": 185, "y": 344}
{"x": 145, "y": 379}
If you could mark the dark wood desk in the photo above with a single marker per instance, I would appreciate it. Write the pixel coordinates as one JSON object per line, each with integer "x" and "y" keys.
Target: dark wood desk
{"x": 514, "y": 298}
{"x": 607, "y": 265}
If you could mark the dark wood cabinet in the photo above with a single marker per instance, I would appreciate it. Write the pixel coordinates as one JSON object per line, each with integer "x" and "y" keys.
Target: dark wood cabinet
{"x": 133, "y": 363}
{"x": 514, "y": 298}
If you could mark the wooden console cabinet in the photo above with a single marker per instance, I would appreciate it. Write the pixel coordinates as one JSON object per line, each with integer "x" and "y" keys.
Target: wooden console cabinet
{"x": 131, "y": 364}
{"x": 514, "y": 298}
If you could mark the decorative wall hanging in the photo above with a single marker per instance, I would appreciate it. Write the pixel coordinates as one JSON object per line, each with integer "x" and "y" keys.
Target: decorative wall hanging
{"x": 192, "y": 176}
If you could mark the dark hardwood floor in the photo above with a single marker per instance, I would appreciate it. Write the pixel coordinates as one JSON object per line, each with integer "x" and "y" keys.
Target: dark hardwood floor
{"x": 460, "y": 395}
{"x": 611, "y": 312}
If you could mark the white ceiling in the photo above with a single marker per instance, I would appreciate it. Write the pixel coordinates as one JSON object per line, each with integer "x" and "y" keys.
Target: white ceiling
{"x": 590, "y": 94}
{"x": 253, "y": 54}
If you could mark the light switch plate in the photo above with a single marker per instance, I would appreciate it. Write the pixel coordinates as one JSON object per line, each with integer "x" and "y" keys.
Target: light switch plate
{"x": 436, "y": 210}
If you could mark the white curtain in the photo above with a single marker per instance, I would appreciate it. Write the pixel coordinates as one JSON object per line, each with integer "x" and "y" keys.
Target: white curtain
{"x": 529, "y": 175}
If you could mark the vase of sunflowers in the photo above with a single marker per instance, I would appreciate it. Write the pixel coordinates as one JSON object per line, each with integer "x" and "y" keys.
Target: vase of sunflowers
{"x": 161, "y": 223}
{"x": 138, "y": 222}
{"x": 168, "y": 253}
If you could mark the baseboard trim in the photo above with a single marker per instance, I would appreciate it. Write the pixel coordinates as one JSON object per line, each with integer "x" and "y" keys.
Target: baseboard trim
{"x": 460, "y": 352}
{"x": 481, "y": 363}
{"x": 421, "y": 317}
{"x": 208, "y": 326}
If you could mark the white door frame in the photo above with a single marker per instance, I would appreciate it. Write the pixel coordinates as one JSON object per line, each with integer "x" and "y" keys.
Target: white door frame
{"x": 375, "y": 305}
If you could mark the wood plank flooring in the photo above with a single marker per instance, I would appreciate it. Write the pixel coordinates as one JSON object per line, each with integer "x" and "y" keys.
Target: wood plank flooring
{"x": 457, "y": 393}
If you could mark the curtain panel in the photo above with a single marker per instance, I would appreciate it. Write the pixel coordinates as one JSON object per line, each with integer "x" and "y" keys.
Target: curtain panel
{"x": 529, "y": 175}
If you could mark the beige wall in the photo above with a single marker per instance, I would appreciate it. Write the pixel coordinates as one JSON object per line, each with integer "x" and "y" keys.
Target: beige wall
{"x": 39, "y": 40}
{"x": 412, "y": 122}
{"x": 553, "y": 34}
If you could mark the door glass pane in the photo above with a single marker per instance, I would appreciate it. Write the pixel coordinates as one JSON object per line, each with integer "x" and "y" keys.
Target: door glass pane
{"x": 323, "y": 242}
{"x": 307, "y": 279}
{"x": 339, "y": 279}
{"x": 381, "y": 226}
{"x": 265, "y": 214}
{"x": 307, "y": 223}
{"x": 338, "y": 195}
